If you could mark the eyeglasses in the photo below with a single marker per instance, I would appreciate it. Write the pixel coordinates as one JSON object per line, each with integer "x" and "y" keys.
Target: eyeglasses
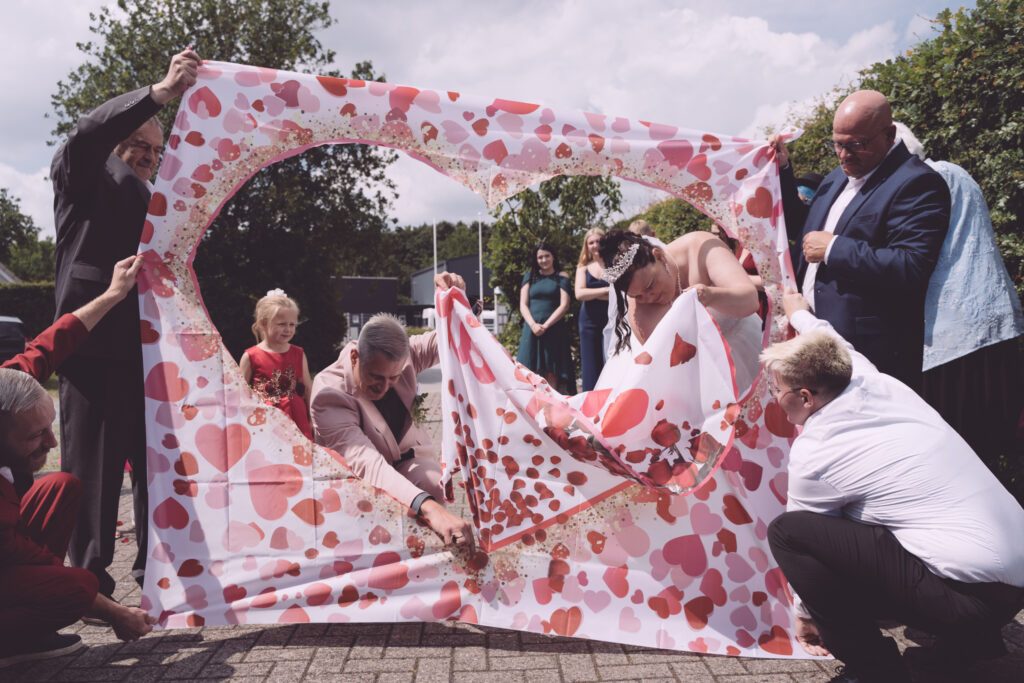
{"x": 777, "y": 392}
{"x": 855, "y": 147}
{"x": 157, "y": 151}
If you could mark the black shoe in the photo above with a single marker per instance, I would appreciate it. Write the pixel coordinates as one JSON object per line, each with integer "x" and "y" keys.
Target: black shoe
{"x": 46, "y": 647}
{"x": 844, "y": 675}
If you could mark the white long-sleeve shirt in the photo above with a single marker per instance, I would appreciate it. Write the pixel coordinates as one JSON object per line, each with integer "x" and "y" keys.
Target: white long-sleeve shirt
{"x": 880, "y": 455}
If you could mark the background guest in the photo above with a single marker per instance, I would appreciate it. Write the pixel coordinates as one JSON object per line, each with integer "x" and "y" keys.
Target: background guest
{"x": 972, "y": 319}
{"x": 592, "y": 293}
{"x": 543, "y": 301}
{"x": 275, "y": 368}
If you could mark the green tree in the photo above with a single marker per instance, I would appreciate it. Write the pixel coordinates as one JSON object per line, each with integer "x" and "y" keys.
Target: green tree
{"x": 671, "y": 218}
{"x": 16, "y": 228}
{"x": 27, "y": 256}
{"x": 299, "y": 224}
{"x": 559, "y": 212}
{"x": 34, "y": 261}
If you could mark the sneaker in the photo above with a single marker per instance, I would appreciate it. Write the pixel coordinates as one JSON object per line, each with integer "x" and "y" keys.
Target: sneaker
{"x": 46, "y": 647}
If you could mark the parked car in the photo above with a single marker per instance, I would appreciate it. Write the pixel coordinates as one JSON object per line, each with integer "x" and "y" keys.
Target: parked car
{"x": 12, "y": 337}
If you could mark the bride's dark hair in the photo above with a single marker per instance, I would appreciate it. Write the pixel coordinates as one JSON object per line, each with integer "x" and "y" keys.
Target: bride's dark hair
{"x": 612, "y": 244}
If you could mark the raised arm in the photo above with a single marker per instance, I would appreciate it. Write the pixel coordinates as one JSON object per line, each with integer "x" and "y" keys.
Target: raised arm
{"x": 44, "y": 354}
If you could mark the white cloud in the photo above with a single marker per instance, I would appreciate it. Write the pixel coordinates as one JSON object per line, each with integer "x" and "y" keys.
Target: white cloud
{"x": 34, "y": 193}
{"x": 727, "y": 66}
{"x": 698, "y": 68}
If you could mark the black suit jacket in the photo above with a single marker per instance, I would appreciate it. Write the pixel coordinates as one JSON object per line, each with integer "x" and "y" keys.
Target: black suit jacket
{"x": 99, "y": 209}
{"x": 887, "y": 243}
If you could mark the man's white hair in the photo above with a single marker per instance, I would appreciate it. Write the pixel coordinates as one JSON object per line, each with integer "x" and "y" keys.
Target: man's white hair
{"x": 19, "y": 391}
{"x": 914, "y": 145}
{"x": 383, "y": 334}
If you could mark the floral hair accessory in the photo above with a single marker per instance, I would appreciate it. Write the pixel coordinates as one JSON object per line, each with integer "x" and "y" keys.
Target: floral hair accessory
{"x": 276, "y": 292}
{"x": 623, "y": 261}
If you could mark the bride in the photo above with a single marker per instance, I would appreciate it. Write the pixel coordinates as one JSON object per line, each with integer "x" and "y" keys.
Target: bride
{"x": 648, "y": 275}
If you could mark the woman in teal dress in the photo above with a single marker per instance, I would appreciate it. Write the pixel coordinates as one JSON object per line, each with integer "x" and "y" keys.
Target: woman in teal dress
{"x": 543, "y": 301}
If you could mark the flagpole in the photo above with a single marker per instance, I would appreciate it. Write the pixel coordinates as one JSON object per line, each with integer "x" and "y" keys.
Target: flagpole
{"x": 480, "y": 257}
{"x": 435, "y": 246}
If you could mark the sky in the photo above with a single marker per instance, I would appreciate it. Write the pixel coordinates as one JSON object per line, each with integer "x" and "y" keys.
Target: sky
{"x": 730, "y": 66}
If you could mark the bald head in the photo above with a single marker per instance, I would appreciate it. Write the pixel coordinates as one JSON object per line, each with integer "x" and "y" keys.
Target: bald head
{"x": 864, "y": 109}
{"x": 862, "y": 131}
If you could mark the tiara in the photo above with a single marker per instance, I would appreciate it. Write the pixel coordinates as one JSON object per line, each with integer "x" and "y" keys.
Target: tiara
{"x": 622, "y": 262}
{"x": 276, "y": 292}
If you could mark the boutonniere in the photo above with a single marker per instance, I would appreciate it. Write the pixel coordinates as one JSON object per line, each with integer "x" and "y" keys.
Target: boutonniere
{"x": 419, "y": 408}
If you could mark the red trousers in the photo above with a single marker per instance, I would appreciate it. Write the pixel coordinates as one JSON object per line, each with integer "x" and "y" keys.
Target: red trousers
{"x": 38, "y": 599}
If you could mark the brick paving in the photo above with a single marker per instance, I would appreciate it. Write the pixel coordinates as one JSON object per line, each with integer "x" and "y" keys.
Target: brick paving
{"x": 405, "y": 653}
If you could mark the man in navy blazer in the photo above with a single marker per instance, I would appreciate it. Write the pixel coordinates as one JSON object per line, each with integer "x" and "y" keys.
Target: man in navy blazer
{"x": 871, "y": 237}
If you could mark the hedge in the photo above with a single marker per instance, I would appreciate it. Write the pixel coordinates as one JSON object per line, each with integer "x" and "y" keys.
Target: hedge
{"x": 32, "y": 302}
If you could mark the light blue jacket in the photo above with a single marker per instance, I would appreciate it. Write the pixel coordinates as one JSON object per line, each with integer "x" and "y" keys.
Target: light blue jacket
{"x": 971, "y": 301}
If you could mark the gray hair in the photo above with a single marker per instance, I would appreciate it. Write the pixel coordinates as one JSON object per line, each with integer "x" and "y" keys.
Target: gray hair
{"x": 383, "y": 334}
{"x": 815, "y": 361}
{"x": 19, "y": 391}
{"x": 914, "y": 145}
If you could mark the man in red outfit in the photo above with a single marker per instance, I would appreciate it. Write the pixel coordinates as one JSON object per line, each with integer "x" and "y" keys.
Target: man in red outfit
{"x": 38, "y": 594}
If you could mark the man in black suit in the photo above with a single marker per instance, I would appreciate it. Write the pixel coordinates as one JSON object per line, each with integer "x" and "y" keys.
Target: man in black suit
{"x": 101, "y": 177}
{"x": 871, "y": 237}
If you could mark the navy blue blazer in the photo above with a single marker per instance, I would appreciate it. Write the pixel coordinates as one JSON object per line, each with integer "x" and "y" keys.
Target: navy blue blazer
{"x": 887, "y": 242}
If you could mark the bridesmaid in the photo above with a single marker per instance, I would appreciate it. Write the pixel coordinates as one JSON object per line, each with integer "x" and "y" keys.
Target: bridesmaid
{"x": 592, "y": 292}
{"x": 544, "y": 298}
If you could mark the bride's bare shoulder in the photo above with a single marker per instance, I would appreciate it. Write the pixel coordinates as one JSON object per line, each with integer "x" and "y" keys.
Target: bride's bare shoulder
{"x": 689, "y": 241}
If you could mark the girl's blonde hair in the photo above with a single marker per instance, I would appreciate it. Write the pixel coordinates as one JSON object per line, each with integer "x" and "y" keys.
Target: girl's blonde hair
{"x": 267, "y": 308}
{"x": 584, "y": 252}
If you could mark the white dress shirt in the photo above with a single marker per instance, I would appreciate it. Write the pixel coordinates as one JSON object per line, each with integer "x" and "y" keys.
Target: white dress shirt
{"x": 878, "y": 454}
{"x": 6, "y": 473}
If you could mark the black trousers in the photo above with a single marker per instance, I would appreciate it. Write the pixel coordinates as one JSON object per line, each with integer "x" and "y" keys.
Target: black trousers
{"x": 850, "y": 575}
{"x": 103, "y": 426}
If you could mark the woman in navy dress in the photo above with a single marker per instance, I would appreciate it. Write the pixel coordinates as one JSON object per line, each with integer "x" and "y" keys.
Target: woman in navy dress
{"x": 592, "y": 292}
{"x": 544, "y": 299}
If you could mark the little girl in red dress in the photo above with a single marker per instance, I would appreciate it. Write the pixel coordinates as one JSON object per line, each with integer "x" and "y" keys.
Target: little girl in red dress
{"x": 276, "y": 369}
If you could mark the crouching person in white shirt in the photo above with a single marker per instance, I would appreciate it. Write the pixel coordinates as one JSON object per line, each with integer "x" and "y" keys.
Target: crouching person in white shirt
{"x": 891, "y": 515}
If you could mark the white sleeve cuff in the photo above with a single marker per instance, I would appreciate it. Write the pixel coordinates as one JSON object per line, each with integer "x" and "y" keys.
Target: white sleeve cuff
{"x": 802, "y": 321}
{"x": 828, "y": 249}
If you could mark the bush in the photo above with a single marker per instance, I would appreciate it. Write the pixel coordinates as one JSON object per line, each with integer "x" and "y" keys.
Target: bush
{"x": 32, "y": 302}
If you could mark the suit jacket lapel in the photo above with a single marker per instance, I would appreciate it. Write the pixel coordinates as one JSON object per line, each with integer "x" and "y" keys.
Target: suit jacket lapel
{"x": 886, "y": 169}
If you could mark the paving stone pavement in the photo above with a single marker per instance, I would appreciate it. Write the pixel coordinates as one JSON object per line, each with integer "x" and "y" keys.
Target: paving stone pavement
{"x": 397, "y": 653}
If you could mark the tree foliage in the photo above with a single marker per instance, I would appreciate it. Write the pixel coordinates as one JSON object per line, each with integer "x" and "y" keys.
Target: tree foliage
{"x": 299, "y": 224}
{"x": 404, "y": 250}
{"x": 16, "y": 228}
{"x": 27, "y": 256}
{"x": 962, "y": 94}
{"x": 558, "y": 212}
{"x": 671, "y": 218}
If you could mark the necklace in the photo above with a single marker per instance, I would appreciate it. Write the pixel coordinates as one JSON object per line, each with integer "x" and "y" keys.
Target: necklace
{"x": 631, "y": 313}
